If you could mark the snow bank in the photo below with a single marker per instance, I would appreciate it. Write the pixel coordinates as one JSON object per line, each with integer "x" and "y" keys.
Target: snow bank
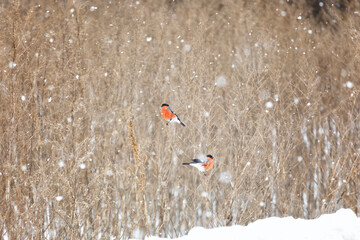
{"x": 342, "y": 225}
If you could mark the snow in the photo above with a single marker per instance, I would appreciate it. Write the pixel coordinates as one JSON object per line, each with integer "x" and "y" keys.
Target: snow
{"x": 204, "y": 194}
{"x": 59, "y": 198}
{"x": 61, "y": 164}
{"x": 269, "y": 105}
{"x": 82, "y": 166}
{"x": 225, "y": 177}
{"x": 343, "y": 73}
{"x": 342, "y": 225}
{"x": 187, "y": 48}
{"x": 349, "y": 84}
{"x": 220, "y": 81}
{"x": 109, "y": 173}
{"x": 12, "y": 65}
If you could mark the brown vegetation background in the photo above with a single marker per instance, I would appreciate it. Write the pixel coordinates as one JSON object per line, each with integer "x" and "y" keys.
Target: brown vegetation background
{"x": 85, "y": 154}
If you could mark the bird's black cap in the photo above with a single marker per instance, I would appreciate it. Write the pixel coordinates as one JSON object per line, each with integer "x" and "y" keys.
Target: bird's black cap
{"x": 210, "y": 156}
{"x": 165, "y": 105}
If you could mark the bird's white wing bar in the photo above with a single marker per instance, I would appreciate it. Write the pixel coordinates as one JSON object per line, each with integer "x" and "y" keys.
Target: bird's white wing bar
{"x": 198, "y": 166}
{"x": 175, "y": 119}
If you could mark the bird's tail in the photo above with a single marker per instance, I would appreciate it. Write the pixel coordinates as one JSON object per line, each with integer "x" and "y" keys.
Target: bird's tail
{"x": 179, "y": 121}
{"x": 186, "y": 163}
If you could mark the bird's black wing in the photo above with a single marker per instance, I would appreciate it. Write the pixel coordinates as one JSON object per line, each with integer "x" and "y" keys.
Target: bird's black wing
{"x": 197, "y": 161}
{"x": 168, "y": 107}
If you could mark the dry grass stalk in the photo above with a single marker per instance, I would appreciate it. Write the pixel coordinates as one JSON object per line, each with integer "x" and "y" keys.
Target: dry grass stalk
{"x": 283, "y": 128}
{"x": 139, "y": 178}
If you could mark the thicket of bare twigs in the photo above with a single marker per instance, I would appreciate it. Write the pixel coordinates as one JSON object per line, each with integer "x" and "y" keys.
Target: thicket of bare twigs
{"x": 85, "y": 154}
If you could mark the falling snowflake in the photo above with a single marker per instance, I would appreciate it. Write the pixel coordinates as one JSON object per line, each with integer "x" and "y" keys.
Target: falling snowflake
{"x": 187, "y": 48}
{"x": 109, "y": 172}
{"x": 220, "y": 81}
{"x": 269, "y": 104}
{"x": 59, "y": 198}
{"x": 12, "y": 65}
{"x": 204, "y": 194}
{"x": 61, "y": 164}
{"x": 349, "y": 84}
{"x": 343, "y": 73}
{"x": 225, "y": 177}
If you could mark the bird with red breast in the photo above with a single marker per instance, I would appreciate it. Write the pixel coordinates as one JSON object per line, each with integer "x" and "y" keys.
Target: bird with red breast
{"x": 168, "y": 114}
{"x": 203, "y": 165}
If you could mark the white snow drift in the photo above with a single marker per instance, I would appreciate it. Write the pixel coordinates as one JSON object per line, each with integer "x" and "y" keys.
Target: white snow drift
{"x": 342, "y": 225}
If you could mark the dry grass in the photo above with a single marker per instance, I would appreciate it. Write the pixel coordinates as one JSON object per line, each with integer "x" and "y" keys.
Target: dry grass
{"x": 68, "y": 168}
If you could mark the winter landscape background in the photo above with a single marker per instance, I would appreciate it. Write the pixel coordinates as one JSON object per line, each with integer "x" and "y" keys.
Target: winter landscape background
{"x": 269, "y": 88}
